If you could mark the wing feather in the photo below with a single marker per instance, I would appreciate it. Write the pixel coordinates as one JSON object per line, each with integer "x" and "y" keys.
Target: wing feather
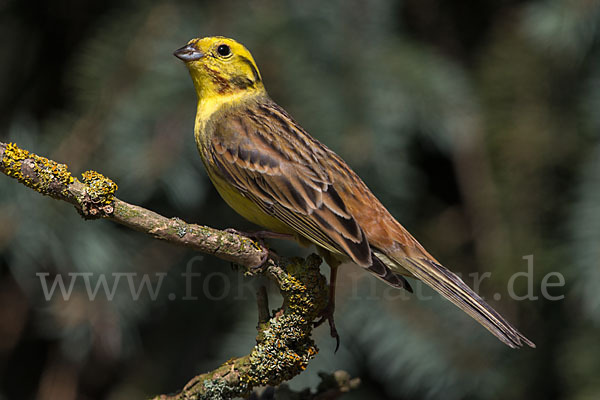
{"x": 270, "y": 165}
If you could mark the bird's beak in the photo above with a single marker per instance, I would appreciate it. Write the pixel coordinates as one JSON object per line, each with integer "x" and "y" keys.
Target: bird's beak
{"x": 188, "y": 53}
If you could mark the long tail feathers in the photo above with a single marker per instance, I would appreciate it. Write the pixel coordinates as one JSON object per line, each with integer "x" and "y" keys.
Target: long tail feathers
{"x": 454, "y": 289}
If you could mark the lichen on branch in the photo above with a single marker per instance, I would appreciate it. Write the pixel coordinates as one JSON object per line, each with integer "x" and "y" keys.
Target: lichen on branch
{"x": 39, "y": 173}
{"x": 94, "y": 197}
{"x": 283, "y": 344}
{"x": 99, "y": 194}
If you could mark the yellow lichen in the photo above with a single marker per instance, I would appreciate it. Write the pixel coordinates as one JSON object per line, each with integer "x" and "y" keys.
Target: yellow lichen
{"x": 39, "y": 173}
{"x": 98, "y": 187}
{"x": 100, "y": 192}
{"x": 285, "y": 345}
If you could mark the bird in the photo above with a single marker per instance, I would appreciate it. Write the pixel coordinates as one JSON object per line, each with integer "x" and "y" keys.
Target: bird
{"x": 273, "y": 173}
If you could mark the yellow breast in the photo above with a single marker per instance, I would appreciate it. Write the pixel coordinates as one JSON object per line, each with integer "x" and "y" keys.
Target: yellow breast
{"x": 207, "y": 107}
{"x": 244, "y": 206}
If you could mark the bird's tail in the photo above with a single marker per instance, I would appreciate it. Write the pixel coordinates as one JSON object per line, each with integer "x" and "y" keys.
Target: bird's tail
{"x": 454, "y": 289}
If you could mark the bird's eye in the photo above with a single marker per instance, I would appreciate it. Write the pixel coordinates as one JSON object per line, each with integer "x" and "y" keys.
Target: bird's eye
{"x": 224, "y": 50}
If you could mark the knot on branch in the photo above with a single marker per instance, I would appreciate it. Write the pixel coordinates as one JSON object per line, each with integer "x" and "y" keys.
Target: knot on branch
{"x": 99, "y": 195}
{"x": 38, "y": 173}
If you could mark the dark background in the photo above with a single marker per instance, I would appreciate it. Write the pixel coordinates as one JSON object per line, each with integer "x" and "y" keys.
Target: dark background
{"x": 475, "y": 122}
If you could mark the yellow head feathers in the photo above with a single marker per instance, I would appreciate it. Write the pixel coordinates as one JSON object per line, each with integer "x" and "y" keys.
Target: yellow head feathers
{"x": 220, "y": 66}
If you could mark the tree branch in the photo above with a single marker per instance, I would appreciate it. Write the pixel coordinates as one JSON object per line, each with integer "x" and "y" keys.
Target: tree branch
{"x": 93, "y": 197}
{"x": 283, "y": 344}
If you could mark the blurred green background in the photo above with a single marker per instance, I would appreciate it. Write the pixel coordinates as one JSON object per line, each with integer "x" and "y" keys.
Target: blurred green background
{"x": 476, "y": 122}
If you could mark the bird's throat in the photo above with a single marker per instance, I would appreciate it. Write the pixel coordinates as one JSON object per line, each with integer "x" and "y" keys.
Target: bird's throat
{"x": 210, "y": 104}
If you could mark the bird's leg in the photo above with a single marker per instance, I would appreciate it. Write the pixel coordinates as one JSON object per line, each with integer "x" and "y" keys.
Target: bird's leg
{"x": 327, "y": 314}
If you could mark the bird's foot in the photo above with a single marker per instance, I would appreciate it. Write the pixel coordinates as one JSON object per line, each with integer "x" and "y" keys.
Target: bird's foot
{"x": 327, "y": 315}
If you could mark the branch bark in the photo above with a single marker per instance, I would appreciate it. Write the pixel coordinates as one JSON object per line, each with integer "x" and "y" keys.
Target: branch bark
{"x": 93, "y": 197}
{"x": 283, "y": 345}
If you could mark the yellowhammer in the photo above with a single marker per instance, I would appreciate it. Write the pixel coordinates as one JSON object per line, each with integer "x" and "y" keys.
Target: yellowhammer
{"x": 272, "y": 172}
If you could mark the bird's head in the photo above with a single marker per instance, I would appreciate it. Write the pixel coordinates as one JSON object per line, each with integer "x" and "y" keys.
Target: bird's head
{"x": 220, "y": 66}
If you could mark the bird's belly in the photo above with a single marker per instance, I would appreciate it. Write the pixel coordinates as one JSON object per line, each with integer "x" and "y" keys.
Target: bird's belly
{"x": 247, "y": 208}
